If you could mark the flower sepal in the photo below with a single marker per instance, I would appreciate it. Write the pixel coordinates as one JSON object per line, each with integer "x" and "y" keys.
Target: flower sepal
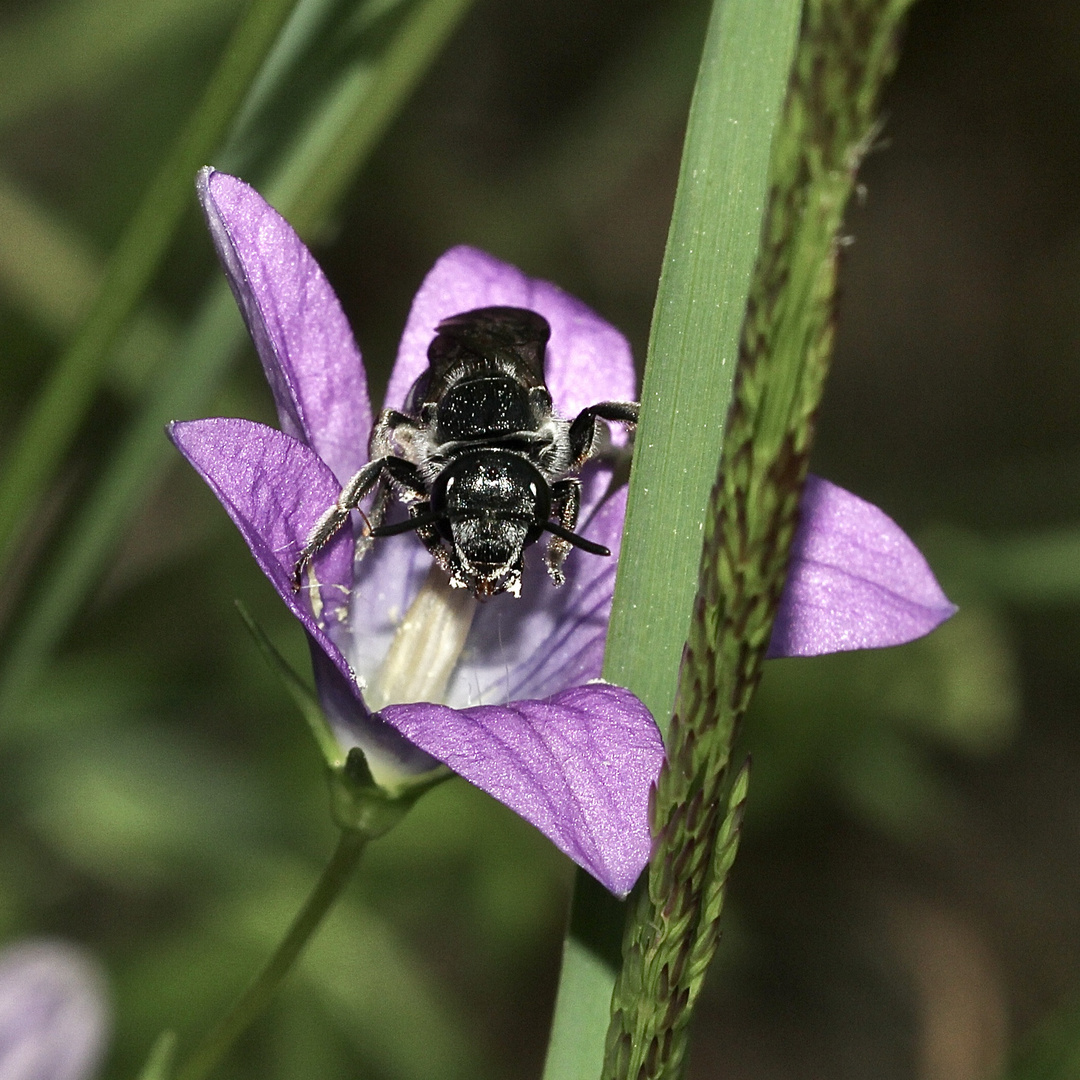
{"x": 306, "y": 701}
{"x": 359, "y": 804}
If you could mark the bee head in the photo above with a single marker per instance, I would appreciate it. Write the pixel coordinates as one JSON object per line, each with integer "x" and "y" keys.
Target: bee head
{"x": 489, "y": 505}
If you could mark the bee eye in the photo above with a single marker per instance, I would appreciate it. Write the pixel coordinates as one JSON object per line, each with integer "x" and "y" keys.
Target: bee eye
{"x": 532, "y": 489}
{"x": 450, "y": 482}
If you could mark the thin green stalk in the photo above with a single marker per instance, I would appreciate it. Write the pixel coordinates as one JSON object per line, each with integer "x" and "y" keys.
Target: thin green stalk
{"x": 213, "y": 1049}
{"x": 50, "y": 427}
{"x": 712, "y": 244}
{"x": 202, "y": 356}
{"x": 847, "y": 51}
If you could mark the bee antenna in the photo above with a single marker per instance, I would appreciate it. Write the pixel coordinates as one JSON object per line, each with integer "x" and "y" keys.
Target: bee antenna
{"x": 409, "y": 525}
{"x": 578, "y": 541}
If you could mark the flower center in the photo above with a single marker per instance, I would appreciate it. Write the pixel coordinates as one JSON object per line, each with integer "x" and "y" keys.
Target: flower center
{"x": 426, "y": 647}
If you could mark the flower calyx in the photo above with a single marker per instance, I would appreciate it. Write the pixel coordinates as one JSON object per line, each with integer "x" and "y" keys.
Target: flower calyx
{"x": 360, "y": 805}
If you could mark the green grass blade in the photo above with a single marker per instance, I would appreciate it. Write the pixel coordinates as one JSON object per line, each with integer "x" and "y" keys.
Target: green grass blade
{"x": 583, "y": 1004}
{"x": 49, "y": 428}
{"x": 712, "y": 244}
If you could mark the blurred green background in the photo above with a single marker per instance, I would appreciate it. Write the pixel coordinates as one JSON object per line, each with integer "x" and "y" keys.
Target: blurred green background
{"x": 906, "y": 901}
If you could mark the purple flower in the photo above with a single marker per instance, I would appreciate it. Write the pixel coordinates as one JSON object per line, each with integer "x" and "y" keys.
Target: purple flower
{"x": 414, "y": 672}
{"x": 54, "y": 1015}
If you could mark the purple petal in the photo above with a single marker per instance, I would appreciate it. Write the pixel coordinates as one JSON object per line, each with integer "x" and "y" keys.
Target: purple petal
{"x": 551, "y": 638}
{"x": 54, "y": 1015}
{"x": 856, "y": 581}
{"x": 588, "y": 359}
{"x": 275, "y": 488}
{"x": 578, "y": 765}
{"x": 301, "y": 334}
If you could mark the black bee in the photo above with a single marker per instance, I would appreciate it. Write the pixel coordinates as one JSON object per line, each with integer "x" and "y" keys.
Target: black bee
{"x": 483, "y": 464}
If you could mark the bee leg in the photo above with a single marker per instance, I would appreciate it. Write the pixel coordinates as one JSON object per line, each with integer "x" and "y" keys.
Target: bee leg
{"x": 389, "y": 420}
{"x": 350, "y": 498}
{"x": 407, "y": 477}
{"x": 565, "y": 504}
{"x": 583, "y": 429}
{"x": 512, "y": 583}
{"x": 442, "y": 558}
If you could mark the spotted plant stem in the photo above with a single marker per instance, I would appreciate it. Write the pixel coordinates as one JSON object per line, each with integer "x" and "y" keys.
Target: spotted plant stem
{"x": 847, "y": 50}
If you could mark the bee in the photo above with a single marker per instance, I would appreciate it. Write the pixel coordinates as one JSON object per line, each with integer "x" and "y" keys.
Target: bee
{"x": 479, "y": 457}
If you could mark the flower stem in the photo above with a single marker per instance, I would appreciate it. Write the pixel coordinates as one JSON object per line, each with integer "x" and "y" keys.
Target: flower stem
{"x": 257, "y": 996}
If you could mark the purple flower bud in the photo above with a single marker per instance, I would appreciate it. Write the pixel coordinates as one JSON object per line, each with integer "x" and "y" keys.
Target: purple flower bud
{"x": 54, "y": 1016}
